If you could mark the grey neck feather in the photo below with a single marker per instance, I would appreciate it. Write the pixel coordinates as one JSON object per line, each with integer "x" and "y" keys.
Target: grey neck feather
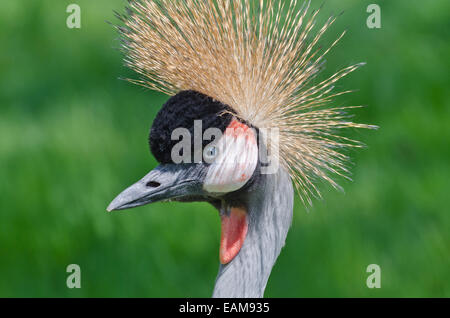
{"x": 270, "y": 211}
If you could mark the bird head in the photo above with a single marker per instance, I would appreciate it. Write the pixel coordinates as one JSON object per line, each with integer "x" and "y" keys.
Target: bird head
{"x": 206, "y": 154}
{"x": 236, "y": 70}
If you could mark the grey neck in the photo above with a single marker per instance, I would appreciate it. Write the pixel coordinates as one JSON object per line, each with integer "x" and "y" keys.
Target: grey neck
{"x": 270, "y": 211}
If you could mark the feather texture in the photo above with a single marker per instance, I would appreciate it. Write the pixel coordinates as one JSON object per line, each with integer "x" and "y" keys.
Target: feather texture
{"x": 258, "y": 57}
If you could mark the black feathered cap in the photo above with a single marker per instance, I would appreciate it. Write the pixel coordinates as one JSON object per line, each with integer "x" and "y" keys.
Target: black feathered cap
{"x": 181, "y": 111}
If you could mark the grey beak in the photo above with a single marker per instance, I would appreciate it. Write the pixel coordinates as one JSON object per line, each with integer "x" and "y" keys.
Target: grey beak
{"x": 166, "y": 182}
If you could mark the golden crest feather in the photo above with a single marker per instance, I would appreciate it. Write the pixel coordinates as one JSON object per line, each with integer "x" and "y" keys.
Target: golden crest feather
{"x": 259, "y": 57}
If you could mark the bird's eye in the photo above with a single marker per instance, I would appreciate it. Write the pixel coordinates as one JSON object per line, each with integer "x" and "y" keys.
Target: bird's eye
{"x": 210, "y": 153}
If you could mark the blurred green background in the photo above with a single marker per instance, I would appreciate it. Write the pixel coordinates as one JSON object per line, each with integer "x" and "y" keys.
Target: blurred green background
{"x": 72, "y": 136}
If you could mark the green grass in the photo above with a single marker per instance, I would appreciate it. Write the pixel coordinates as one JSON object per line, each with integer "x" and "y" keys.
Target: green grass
{"x": 72, "y": 136}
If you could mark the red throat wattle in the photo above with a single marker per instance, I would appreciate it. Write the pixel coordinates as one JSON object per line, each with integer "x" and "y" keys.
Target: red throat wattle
{"x": 234, "y": 232}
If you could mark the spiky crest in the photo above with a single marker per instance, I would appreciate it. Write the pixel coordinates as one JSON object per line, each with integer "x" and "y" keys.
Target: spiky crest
{"x": 258, "y": 57}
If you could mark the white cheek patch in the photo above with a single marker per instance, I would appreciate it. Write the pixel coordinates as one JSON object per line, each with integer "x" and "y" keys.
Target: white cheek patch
{"x": 236, "y": 161}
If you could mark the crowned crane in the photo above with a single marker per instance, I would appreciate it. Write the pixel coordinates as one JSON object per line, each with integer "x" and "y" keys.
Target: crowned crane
{"x": 245, "y": 69}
